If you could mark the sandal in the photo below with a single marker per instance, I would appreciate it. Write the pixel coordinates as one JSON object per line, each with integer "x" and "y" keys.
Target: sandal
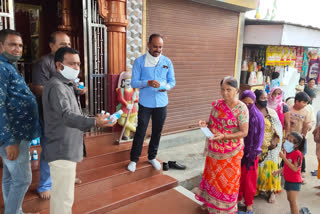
{"x": 314, "y": 172}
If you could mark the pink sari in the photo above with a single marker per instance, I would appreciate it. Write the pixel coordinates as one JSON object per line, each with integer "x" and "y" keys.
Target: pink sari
{"x": 276, "y": 103}
{"x": 220, "y": 182}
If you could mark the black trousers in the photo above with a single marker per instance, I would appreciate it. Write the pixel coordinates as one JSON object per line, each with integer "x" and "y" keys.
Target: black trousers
{"x": 158, "y": 116}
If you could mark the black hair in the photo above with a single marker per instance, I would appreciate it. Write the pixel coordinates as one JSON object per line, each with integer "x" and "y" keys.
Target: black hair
{"x": 52, "y": 38}
{"x": 59, "y": 56}
{"x": 153, "y": 36}
{"x": 302, "y": 79}
{"x": 5, "y": 32}
{"x": 275, "y": 75}
{"x": 310, "y": 92}
{"x": 311, "y": 79}
{"x": 258, "y": 93}
{"x": 299, "y": 140}
{"x": 289, "y": 98}
{"x": 302, "y": 96}
{"x": 230, "y": 81}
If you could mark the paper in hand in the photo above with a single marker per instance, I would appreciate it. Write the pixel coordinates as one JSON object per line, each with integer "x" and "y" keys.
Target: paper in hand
{"x": 207, "y": 132}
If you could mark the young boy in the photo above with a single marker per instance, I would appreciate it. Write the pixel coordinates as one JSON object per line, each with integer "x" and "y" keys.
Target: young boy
{"x": 300, "y": 120}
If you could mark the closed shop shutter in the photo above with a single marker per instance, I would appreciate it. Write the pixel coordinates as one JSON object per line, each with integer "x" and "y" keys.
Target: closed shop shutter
{"x": 201, "y": 42}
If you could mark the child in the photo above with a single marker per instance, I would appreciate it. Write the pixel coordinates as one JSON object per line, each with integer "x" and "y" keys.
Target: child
{"x": 292, "y": 157}
{"x": 300, "y": 119}
{"x": 275, "y": 82}
{"x": 300, "y": 86}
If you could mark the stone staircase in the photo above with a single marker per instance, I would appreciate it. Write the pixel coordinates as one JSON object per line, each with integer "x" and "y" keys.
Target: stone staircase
{"x": 106, "y": 183}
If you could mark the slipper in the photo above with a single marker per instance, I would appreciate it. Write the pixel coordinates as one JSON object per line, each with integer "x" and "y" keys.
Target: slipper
{"x": 314, "y": 172}
{"x": 304, "y": 210}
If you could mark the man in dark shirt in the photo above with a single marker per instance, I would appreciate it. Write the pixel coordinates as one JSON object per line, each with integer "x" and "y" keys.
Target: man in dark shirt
{"x": 64, "y": 126}
{"x": 19, "y": 123}
{"x": 42, "y": 71}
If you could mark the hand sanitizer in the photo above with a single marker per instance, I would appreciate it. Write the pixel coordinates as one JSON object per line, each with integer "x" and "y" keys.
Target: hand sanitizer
{"x": 35, "y": 155}
{"x": 115, "y": 116}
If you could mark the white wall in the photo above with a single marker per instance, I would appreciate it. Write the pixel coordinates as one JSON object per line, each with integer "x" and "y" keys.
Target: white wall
{"x": 263, "y": 34}
{"x": 300, "y": 36}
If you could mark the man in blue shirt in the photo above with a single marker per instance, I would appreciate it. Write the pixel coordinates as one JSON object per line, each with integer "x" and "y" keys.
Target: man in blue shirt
{"x": 153, "y": 74}
{"x": 19, "y": 123}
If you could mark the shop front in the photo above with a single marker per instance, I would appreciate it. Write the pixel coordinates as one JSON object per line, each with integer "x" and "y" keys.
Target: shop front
{"x": 277, "y": 47}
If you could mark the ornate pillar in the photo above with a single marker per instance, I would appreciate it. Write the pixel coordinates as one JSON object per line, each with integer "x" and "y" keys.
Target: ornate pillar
{"x": 115, "y": 18}
{"x": 114, "y": 14}
{"x": 66, "y": 17}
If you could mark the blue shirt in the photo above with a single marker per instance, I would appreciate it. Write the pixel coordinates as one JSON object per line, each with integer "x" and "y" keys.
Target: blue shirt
{"x": 274, "y": 83}
{"x": 19, "y": 119}
{"x": 148, "y": 96}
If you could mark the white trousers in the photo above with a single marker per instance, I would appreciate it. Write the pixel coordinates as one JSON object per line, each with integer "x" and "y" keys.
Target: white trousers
{"x": 63, "y": 174}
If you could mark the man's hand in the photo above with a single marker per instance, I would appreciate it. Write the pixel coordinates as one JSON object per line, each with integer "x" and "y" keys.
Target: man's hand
{"x": 82, "y": 91}
{"x": 12, "y": 152}
{"x": 102, "y": 121}
{"x": 154, "y": 83}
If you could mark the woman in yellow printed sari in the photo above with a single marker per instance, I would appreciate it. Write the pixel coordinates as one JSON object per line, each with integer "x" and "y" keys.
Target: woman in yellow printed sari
{"x": 228, "y": 121}
{"x": 269, "y": 158}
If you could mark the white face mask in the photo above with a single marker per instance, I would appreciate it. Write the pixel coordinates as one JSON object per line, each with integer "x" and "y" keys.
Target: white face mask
{"x": 69, "y": 73}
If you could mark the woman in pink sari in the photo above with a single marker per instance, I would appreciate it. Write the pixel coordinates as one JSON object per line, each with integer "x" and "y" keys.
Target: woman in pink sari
{"x": 275, "y": 102}
{"x": 228, "y": 121}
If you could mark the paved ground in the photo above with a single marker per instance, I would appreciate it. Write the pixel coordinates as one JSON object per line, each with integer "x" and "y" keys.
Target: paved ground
{"x": 191, "y": 155}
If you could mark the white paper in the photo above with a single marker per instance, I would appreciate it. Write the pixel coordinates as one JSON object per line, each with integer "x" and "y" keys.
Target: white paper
{"x": 207, "y": 132}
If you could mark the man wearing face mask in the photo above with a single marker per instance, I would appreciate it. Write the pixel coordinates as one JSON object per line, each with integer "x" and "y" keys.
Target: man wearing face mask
{"x": 153, "y": 74}
{"x": 19, "y": 123}
{"x": 42, "y": 71}
{"x": 64, "y": 126}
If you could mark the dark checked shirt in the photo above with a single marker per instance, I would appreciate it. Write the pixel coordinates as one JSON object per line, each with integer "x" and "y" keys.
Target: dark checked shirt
{"x": 19, "y": 118}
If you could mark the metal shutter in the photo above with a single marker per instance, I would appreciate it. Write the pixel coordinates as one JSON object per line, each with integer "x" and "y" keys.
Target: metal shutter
{"x": 201, "y": 42}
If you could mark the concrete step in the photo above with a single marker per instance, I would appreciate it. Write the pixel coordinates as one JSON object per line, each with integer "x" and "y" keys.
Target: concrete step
{"x": 106, "y": 201}
{"x": 94, "y": 181}
{"x": 168, "y": 202}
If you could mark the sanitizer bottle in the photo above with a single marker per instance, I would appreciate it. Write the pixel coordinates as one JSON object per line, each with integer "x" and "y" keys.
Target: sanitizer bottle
{"x": 35, "y": 155}
{"x": 115, "y": 116}
{"x": 81, "y": 85}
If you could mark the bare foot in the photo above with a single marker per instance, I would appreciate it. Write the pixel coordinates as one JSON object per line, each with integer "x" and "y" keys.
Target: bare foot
{"x": 272, "y": 198}
{"x": 45, "y": 195}
{"x": 318, "y": 194}
{"x": 77, "y": 181}
{"x": 317, "y": 187}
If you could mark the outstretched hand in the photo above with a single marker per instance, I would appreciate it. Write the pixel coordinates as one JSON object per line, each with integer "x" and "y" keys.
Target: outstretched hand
{"x": 202, "y": 123}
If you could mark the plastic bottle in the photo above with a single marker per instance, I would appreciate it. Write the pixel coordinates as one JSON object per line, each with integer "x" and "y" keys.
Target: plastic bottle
{"x": 115, "y": 116}
{"x": 81, "y": 85}
{"x": 30, "y": 156}
{"x": 76, "y": 81}
{"x": 35, "y": 155}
